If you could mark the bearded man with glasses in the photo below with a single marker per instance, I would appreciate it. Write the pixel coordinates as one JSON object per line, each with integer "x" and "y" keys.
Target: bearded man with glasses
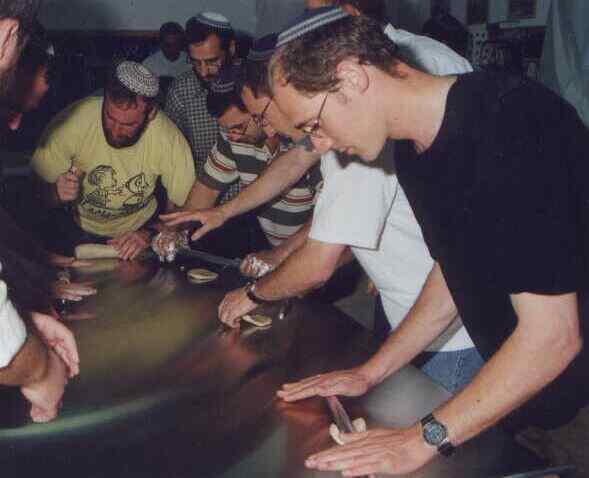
{"x": 210, "y": 46}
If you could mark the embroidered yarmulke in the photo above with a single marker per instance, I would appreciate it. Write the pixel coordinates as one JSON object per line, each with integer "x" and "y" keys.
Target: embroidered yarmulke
{"x": 263, "y": 48}
{"x": 138, "y": 79}
{"x": 214, "y": 20}
{"x": 226, "y": 80}
{"x": 309, "y": 21}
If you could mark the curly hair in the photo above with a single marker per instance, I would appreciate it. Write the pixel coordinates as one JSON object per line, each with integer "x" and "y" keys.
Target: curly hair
{"x": 309, "y": 63}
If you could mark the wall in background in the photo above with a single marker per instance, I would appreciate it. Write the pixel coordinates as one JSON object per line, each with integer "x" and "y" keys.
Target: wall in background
{"x": 140, "y": 15}
{"x": 499, "y": 13}
{"x": 409, "y": 14}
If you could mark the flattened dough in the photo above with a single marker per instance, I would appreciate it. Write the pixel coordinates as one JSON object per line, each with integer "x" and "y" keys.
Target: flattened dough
{"x": 96, "y": 251}
{"x": 258, "y": 320}
{"x": 201, "y": 275}
{"x": 359, "y": 425}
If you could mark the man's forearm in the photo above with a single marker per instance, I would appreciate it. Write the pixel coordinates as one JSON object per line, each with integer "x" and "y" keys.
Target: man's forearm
{"x": 28, "y": 366}
{"x": 310, "y": 266}
{"x": 281, "y": 174}
{"x": 533, "y": 356}
{"x": 201, "y": 197}
{"x": 432, "y": 313}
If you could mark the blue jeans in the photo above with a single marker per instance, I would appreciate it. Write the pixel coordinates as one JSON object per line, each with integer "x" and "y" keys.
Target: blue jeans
{"x": 452, "y": 370}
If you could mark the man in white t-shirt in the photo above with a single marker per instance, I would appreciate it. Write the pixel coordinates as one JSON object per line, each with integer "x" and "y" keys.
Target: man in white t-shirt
{"x": 170, "y": 61}
{"x": 362, "y": 207}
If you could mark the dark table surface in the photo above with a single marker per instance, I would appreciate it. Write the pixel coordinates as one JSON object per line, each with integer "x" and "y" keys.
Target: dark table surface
{"x": 164, "y": 390}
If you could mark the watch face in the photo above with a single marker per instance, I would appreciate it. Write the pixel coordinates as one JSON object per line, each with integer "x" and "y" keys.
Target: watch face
{"x": 434, "y": 433}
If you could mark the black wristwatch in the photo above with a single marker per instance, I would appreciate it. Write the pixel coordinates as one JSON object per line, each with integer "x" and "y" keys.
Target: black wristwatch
{"x": 251, "y": 295}
{"x": 436, "y": 434}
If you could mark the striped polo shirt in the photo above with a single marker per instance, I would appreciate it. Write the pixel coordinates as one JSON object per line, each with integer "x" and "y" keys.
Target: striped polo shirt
{"x": 229, "y": 161}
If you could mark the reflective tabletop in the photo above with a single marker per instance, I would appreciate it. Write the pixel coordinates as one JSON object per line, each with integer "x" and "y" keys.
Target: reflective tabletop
{"x": 165, "y": 390}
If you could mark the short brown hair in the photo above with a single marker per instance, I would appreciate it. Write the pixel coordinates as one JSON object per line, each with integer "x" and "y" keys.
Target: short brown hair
{"x": 309, "y": 63}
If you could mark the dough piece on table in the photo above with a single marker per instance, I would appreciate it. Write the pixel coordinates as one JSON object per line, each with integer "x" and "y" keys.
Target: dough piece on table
{"x": 258, "y": 320}
{"x": 96, "y": 251}
{"x": 201, "y": 275}
{"x": 359, "y": 425}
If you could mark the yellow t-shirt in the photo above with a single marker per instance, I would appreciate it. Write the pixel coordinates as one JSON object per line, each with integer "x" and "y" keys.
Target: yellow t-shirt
{"x": 117, "y": 194}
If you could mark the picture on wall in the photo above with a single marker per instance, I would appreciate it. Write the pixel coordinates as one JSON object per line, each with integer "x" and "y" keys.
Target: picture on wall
{"x": 521, "y": 9}
{"x": 477, "y": 11}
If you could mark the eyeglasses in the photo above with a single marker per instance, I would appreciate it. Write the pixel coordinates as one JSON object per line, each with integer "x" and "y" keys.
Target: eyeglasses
{"x": 313, "y": 128}
{"x": 238, "y": 129}
{"x": 214, "y": 63}
{"x": 260, "y": 119}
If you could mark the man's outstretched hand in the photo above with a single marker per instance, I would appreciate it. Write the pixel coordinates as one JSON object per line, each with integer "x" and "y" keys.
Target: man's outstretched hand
{"x": 210, "y": 219}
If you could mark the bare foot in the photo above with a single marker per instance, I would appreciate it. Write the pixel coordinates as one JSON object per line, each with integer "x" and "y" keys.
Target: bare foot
{"x": 46, "y": 394}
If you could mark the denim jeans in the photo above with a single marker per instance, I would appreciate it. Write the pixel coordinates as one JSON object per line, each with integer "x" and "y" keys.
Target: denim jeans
{"x": 452, "y": 370}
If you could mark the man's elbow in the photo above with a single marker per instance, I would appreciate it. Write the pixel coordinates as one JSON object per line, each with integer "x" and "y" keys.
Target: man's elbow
{"x": 569, "y": 341}
{"x": 575, "y": 345}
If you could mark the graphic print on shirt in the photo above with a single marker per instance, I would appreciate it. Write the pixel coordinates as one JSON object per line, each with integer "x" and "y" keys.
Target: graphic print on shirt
{"x": 109, "y": 200}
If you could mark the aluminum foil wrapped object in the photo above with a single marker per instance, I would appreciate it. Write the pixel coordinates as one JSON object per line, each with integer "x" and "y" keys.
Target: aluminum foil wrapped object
{"x": 166, "y": 244}
{"x": 258, "y": 266}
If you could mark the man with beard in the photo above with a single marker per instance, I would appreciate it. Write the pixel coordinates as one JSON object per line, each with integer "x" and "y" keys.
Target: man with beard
{"x": 101, "y": 159}
{"x": 26, "y": 358}
{"x": 210, "y": 43}
{"x": 242, "y": 152}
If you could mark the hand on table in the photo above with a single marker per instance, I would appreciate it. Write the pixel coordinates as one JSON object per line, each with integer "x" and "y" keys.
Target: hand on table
{"x": 351, "y": 383}
{"x": 131, "y": 244}
{"x": 388, "y": 451}
{"x": 67, "y": 185}
{"x": 60, "y": 339}
{"x": 45, "y": 395}
{"x": 209, "y": 218}
{"x": 234, "y": 306}
{"x": 73, "y": 291}
{"x": 258, "y": 264}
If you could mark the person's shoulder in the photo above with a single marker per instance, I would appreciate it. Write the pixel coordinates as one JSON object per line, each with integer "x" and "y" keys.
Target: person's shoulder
{"x": 81, "y": 114}
{"x": 184, "y": 82}
{"x": 162, "y": 128}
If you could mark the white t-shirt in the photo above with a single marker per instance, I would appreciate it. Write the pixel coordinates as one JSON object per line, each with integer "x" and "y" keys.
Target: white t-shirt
{"x": 13, "y": 332}
{"x": 428, "y": 54}
{"x": 364, "y": 207}
{"x": 159, "y": 65}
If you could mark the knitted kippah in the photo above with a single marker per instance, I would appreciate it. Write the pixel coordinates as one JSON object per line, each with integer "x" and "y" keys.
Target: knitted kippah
{"x": 309, "y": 21}
{"x": 138, "y": 79}
{"x": 214, "y": 20}
{"x": 263, "y": 48}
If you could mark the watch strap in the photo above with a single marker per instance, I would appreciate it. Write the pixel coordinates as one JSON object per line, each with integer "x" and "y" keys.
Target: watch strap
{"x": 445, "y": 448}
{"x": 251, "y": 295}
